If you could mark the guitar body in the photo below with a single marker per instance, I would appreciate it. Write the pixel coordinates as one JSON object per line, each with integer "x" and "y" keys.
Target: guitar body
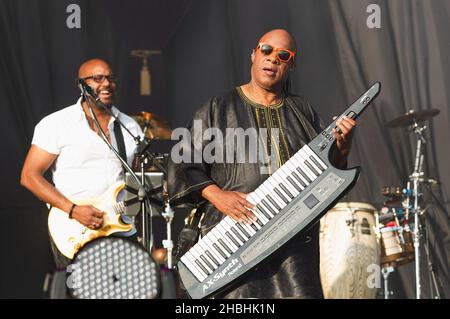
{"x": 69, "y": 235}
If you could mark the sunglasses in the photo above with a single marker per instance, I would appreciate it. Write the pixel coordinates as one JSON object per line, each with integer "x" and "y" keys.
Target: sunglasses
{"x": 284, "y": 55}
{"x": 99, "y": 78}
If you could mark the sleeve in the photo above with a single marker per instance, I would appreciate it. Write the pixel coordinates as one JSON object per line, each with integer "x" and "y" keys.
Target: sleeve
{"x": 45, "y": 135}
{"x": 188, "y": 174}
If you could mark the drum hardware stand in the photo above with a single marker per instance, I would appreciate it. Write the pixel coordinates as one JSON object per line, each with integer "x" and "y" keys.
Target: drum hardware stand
{"x": 430, "y": 263}
{"x": 168, "y": 243}
{"x": 386, "y": 271}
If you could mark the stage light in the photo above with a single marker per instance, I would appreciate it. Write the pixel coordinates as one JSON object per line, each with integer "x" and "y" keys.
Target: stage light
{"x": 113, "y": 268}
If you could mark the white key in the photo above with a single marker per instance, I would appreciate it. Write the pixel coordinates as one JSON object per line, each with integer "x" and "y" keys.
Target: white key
{"x": 309, "y": 151}
{"x": 196, "y": 254}
{"x": 225, "y": 239}
{"x": 207, "y": 245}
{"x": 200, "y": 274}
{"x": 306, "y": 156}
{"x": 215, "y": 240}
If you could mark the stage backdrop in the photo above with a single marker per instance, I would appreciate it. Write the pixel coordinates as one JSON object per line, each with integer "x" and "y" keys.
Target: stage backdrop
{"x": 205, "y": 50}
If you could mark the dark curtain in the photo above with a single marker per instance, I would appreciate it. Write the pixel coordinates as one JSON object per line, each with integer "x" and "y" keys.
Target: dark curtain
{"x": 339, "y": 58}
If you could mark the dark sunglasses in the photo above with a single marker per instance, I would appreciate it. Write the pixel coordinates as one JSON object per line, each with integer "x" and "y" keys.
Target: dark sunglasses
{"x": 99, "y": 78}
{"x": 284, "y": 55}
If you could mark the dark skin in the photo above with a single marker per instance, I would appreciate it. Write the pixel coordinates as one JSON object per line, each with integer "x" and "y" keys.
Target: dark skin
{"x": 38, "y": 161}
{"x": 268, "y": 75}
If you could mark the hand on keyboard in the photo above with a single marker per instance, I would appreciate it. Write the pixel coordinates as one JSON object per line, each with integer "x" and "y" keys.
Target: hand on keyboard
{"x": 233, "y": 204}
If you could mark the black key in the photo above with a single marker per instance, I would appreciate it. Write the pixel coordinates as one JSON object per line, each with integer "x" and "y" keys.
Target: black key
{"x": 253, "y": 225}
{"x": 267, "y": 206}
{"x": 304, "y": 175}
{"x": 238, "y": 235}
{"x": 225, "y": 246}
{"x": 294, "y": 183}
{"x": 206, "y": 261}
{"x": 212, "y": 258}
{"x": 317, "y": 163}
{"x": 274, "y": 203}
{"x": 299, "y": 179}
{"x": 206, "y": 271}
{"x": 232, "y": 239}
{"x": 243, "y": 230}
{"x": 281, "y": 195}
{"x": 220, "y": 251}
{"x": 313, "y": 170}
{"x": 262, "y": 210}
{"x": 259, "y": 223}
{"x": 284, "y": 188}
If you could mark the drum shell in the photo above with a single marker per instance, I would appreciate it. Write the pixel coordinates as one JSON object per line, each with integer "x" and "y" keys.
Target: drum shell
{"x": 348, "y": 247}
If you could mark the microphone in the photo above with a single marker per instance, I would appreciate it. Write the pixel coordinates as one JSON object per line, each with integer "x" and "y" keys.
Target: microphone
{"x": 84, "y": 87}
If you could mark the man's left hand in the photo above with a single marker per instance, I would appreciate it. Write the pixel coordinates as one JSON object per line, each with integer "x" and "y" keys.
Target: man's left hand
{"x": 344, "y": 137}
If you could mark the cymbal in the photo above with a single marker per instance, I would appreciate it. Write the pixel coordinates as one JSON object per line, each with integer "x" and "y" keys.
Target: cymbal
{"x": 153, "y": 126}
{"x": 412, "y": 117}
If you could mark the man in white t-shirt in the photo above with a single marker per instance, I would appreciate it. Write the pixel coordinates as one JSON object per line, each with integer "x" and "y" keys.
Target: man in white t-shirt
{"x": 82, "y": 164}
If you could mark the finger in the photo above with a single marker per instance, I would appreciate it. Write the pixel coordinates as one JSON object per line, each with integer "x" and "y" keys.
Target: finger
{"x": 334, "y": 118}
{"x": 347, "y": 124}
{"x": 246, "y": 203}
{"x": 235, "y": 217}
{"x": 250, "y": 216}
{"x": 98, "y": 214}
{"x": 343, "y": 130}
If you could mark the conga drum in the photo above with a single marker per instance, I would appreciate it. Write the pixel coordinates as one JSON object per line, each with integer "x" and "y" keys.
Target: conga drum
{"x": 348, "y": 246}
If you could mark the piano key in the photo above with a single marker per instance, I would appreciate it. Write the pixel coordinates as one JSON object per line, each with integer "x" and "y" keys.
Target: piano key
{"x": 225, "y": 246}
{"x": 285, "y": 189}
{"x": 244, "y": 231}
{"x": 300, "y": 178}
{"x": 279, "y": 200}
{"x": 203, "y": 267}
{"x": 225, "y": 254}
{"x": 207, "y": 262}
{"x": 317, "y": 163}
{"x": 209, "y": 254}
{"x": 232, "y": 231}
{"x": 274, "y": 203}
{"x": 289, "y": 190}
{"x": 317, "y": 158}
{"x": 282, "y": 196}
{"x": 268, "y": 208}
{"x": 290, "y": 180}
{"x": 308, "y": 161}
{"x": 192, "y": 259}
{"x": 263, "y": 212}
{"x": 230, "y": 245}
{"x": 207, "y": 246}
{"x": 224, "y": 251}
{"x": 275, "y": 199}
{"x": 238, "y": 235}
{"x": 312, "y": 167}
{"x": 193, "y": 268}
{"x": 303, "y": 179}
{"x": 300, "y": 161}
{"x": 233, "y": 239}
{"x": 197, "y": 255}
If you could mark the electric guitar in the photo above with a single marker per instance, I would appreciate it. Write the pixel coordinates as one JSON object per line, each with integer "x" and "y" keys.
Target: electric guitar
{"x": 69, "y": 235}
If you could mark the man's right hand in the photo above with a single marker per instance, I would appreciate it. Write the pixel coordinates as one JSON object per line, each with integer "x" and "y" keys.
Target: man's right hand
{"x": 89, "y": 216}
{"x": 233, "y": 204}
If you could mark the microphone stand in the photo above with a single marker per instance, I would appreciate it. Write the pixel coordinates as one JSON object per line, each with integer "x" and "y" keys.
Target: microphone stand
{"x": 142, "y": 194}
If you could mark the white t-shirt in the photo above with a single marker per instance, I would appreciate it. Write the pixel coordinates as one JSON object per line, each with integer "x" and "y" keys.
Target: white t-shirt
{"x": 85, "y": 166}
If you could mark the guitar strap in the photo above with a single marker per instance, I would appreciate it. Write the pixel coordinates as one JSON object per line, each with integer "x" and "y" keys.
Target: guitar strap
{"x": 120, "y": 142}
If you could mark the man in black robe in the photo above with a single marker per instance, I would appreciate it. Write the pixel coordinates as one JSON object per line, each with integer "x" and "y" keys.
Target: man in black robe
{"x": 289, "y": 122}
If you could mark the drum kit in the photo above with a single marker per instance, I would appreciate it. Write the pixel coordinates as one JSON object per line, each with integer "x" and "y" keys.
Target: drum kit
{"x": 355, "y": 236}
